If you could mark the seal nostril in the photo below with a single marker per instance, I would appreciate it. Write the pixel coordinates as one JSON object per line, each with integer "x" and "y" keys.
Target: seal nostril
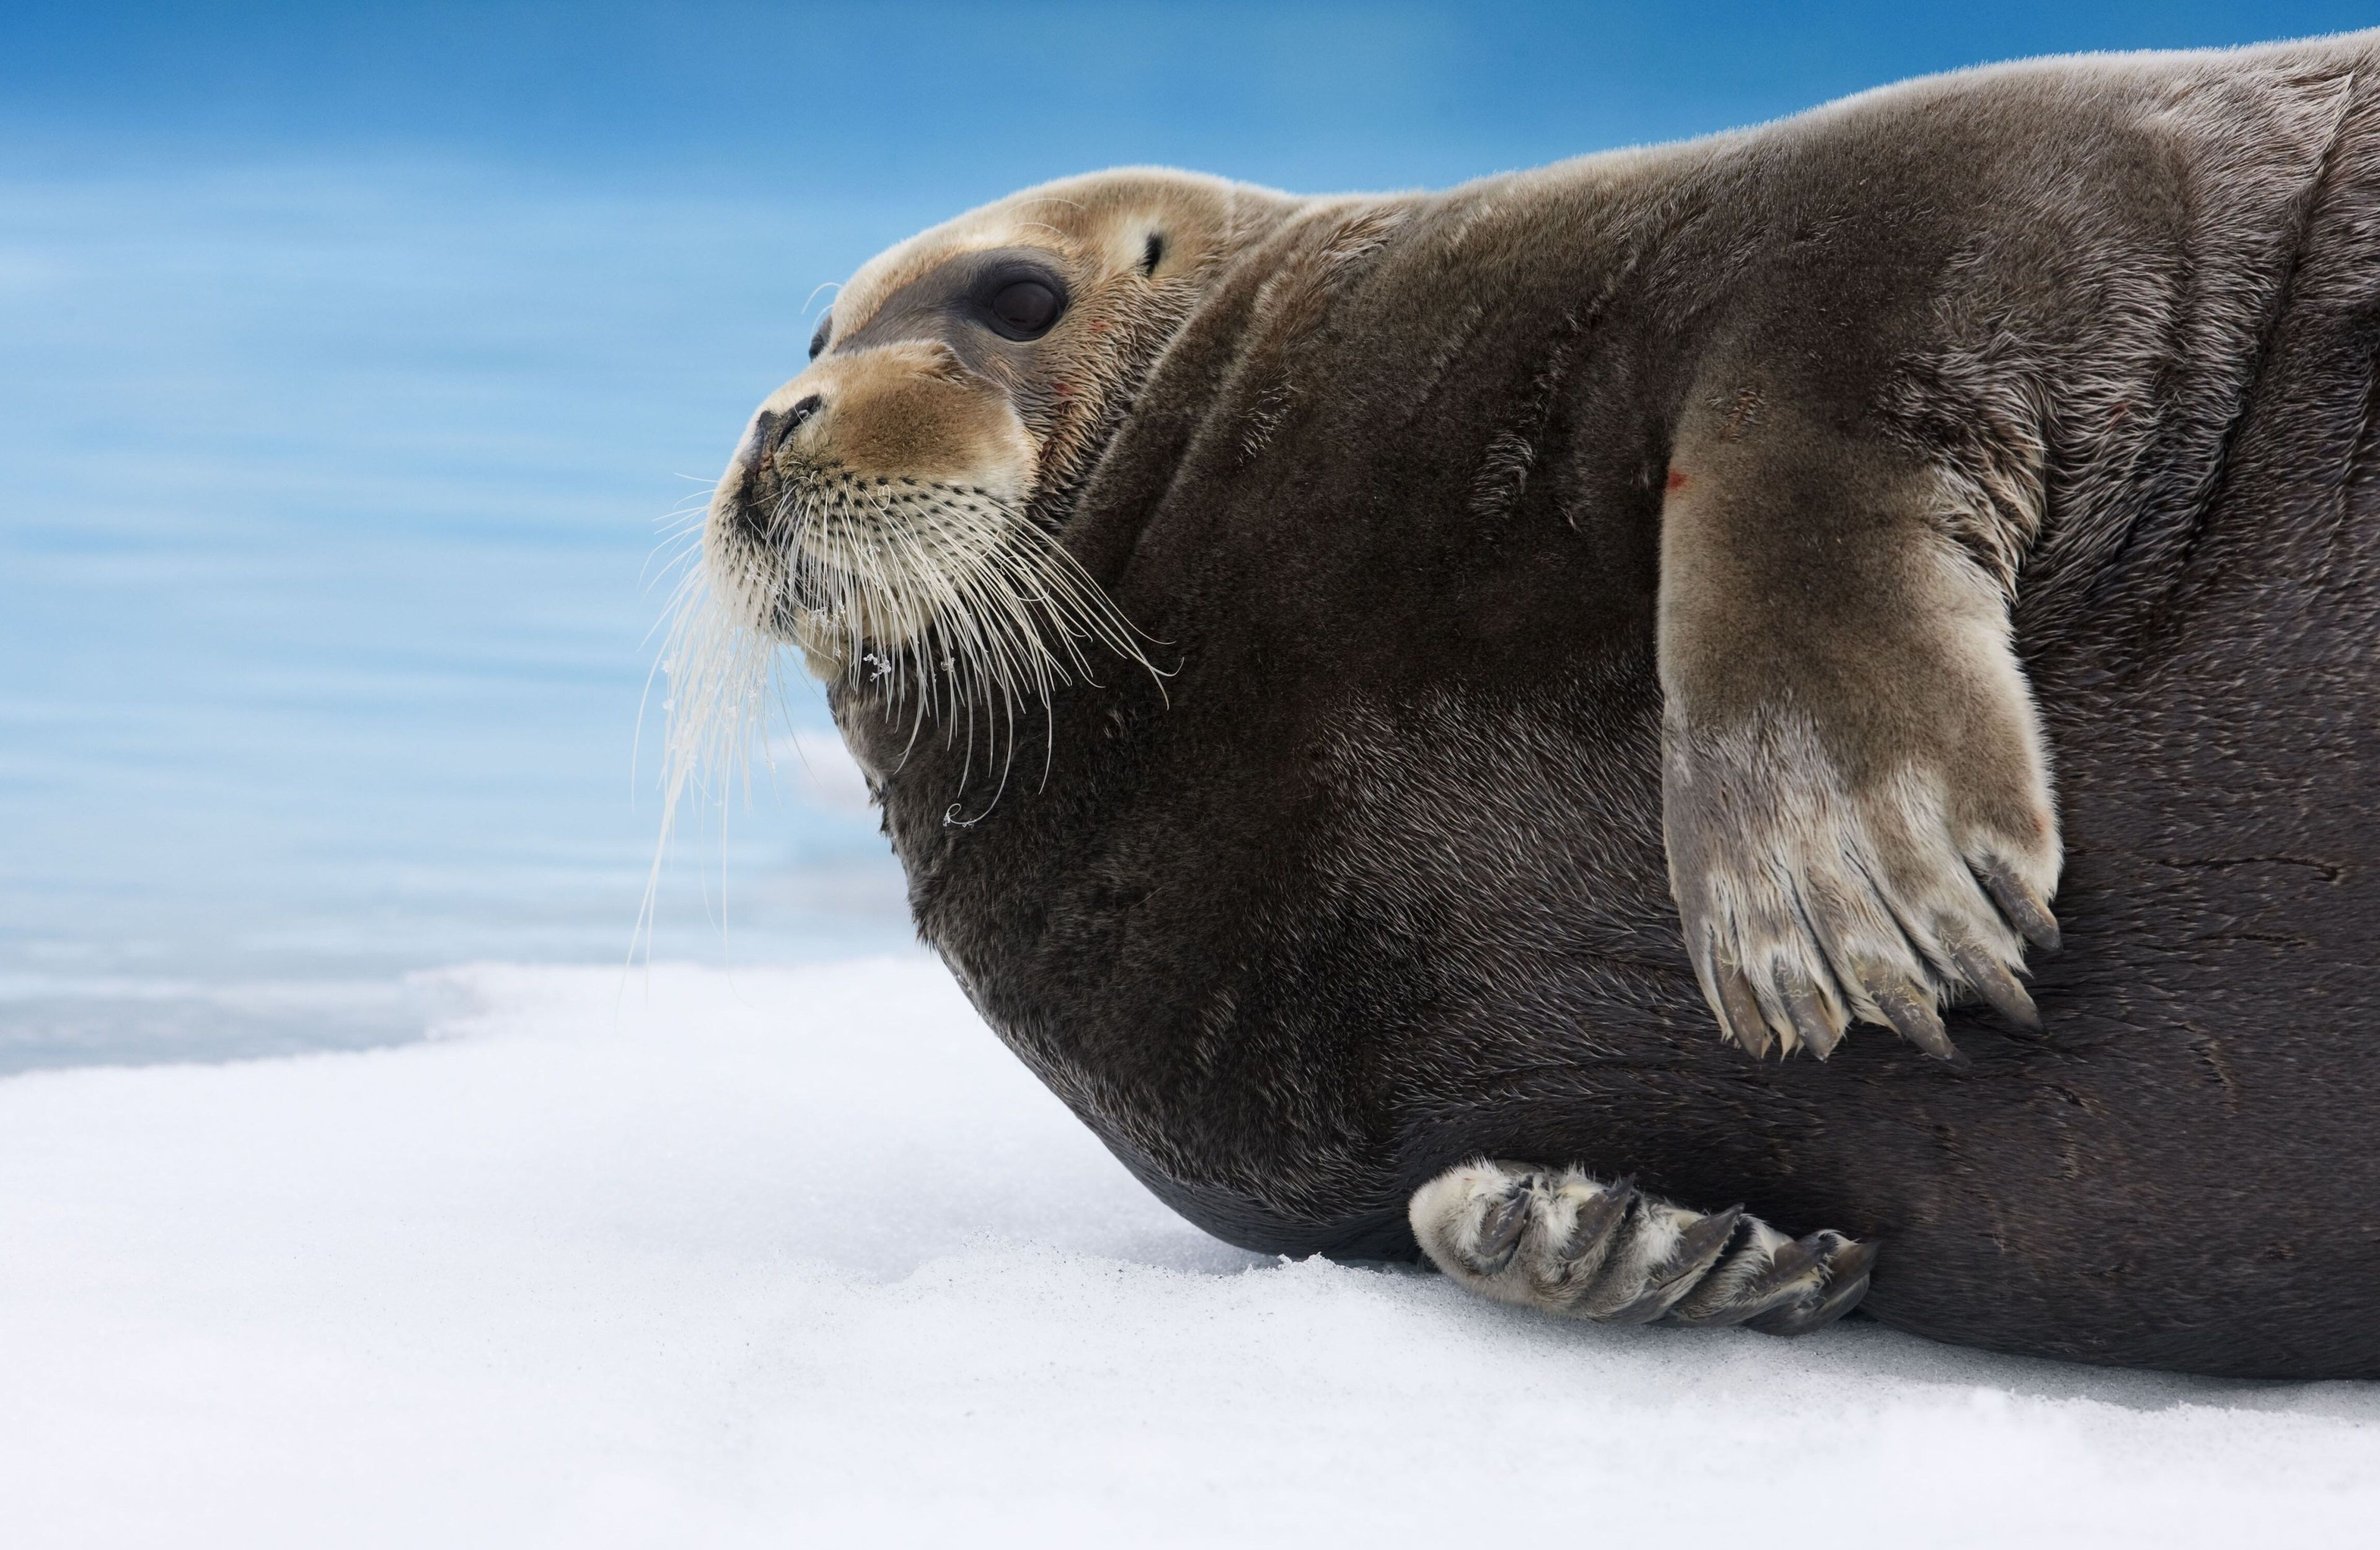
{"x": 762, "y": 437}
{"x": 772, "y": 429}
{"x": 774, "y": 426}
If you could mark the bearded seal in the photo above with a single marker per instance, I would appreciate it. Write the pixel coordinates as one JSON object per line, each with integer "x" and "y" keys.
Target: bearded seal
{"x": 1357, "y": 685}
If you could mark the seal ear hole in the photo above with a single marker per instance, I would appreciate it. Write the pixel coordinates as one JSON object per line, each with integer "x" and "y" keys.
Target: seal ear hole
{"x": 1151, "y": 253}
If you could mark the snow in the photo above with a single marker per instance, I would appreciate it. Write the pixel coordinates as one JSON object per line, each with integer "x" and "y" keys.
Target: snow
{"x": 803, "y": 1256}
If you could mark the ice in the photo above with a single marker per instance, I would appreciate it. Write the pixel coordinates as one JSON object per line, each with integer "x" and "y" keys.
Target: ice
{"x": 803, "y": 1256}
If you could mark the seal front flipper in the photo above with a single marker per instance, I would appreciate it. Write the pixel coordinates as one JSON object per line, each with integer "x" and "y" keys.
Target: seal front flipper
{"x": 1855, "y": 796}
{"x": 1559, "y": 1241}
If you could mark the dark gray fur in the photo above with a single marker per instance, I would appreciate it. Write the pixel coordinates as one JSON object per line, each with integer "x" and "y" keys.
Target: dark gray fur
{"x": 1375, "y": 883}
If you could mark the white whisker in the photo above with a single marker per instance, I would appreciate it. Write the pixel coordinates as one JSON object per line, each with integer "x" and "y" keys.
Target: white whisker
{"x": 950, "y": 606}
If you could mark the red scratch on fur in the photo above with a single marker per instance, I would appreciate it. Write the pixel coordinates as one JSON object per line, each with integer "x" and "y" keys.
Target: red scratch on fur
{"x": 1678, "y": 482}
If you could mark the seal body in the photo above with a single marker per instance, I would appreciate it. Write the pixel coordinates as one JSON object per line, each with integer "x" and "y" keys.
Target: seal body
{"x": 1372, "y": 880}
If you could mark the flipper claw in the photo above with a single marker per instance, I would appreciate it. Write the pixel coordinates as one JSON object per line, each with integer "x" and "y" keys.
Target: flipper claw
{"x": 1557, "y": 1240}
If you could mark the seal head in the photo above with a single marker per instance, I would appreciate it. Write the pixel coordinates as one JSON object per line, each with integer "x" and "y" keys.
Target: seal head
{"x": 893, "y": 509}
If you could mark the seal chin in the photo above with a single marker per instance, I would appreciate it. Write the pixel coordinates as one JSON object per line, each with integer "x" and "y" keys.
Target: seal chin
{"x": 948, "y": 594}
{"x": 839, "y": 560}
{"x": 808, "y": 629}
{"x": 936, "y": 593}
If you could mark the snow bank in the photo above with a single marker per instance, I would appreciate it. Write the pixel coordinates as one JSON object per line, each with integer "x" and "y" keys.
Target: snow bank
{"x": 804, "y": 1257}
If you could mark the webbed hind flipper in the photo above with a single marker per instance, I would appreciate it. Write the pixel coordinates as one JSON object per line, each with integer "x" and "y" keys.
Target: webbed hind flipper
{"x": 1556, "y": 1239}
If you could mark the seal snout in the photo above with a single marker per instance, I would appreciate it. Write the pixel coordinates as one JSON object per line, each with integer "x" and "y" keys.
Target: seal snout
{"x": 772, "y": 429}
{"x": 760, "y": 481}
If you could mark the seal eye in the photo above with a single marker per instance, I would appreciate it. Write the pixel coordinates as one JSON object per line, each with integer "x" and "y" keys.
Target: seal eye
{"x": 818, "y": 340}
{"x": 1024, "y": 308}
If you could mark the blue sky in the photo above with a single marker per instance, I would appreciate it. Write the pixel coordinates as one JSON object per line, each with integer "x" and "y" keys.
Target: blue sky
{"x": 351, "y": 357}
{"x": 968, "y": 101}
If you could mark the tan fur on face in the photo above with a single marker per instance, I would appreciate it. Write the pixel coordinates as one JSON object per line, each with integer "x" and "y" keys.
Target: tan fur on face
{"x": 896, "y": 509}
{"x": 993, "y": 447}
{"x": 909, "y": 410}
{"x": 1098, "y": 223}
{"x": 1097, "y": 229}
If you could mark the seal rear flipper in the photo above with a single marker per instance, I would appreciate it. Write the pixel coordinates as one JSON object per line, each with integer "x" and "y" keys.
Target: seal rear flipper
{"x": 1558, "y": 1241}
